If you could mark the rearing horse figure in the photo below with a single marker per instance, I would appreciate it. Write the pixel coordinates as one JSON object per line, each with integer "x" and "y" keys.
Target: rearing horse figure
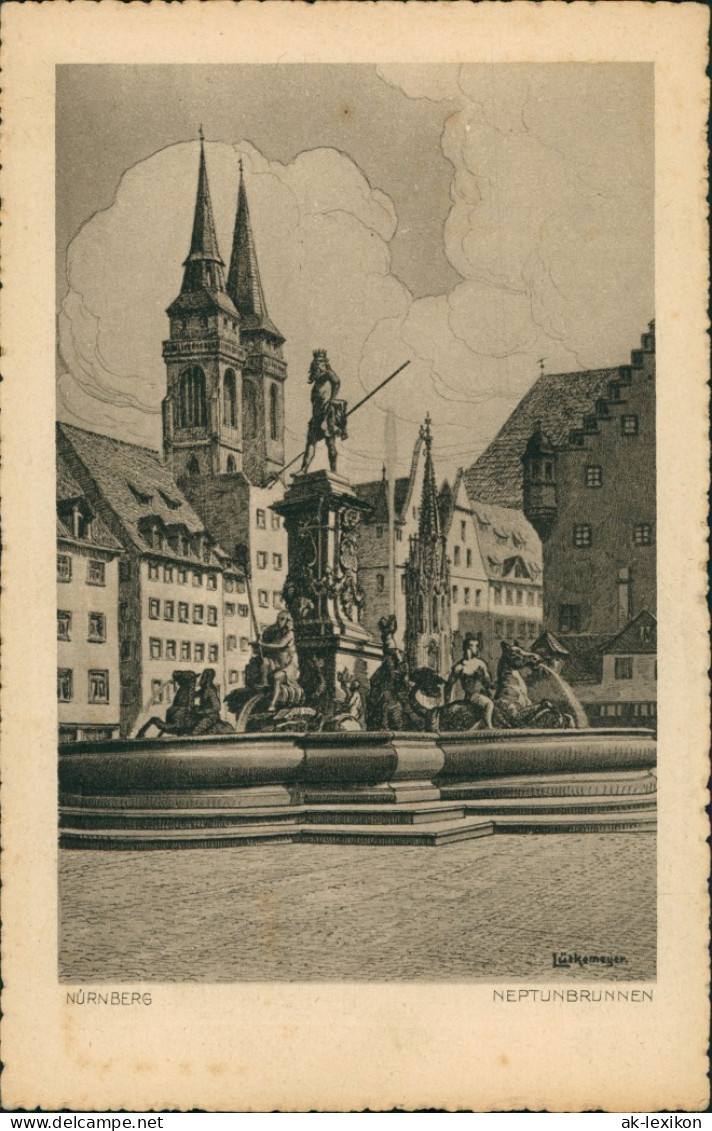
{"x": 513, "y": 706}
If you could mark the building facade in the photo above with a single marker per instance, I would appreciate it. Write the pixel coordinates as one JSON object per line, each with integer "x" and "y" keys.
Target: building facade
{"x": 591, "y": 497}
{"x": 88, "y": 555}
{"x": 171, "y": 599}
{"x": 495, "y": 571}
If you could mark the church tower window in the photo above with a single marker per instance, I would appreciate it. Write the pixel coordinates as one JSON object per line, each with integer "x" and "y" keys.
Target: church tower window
{"x": 192, "y": 398}
{"x": 230, "y": 399}
{"x": 273, "y": 413}
{"x": 250, "y": 410}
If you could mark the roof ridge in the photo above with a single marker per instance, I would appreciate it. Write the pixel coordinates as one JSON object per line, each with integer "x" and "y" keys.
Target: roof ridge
{"x": 153, "y": 452}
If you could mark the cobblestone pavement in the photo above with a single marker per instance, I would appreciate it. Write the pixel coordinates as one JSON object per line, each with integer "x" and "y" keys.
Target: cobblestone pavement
{"x": 482, "y": 909}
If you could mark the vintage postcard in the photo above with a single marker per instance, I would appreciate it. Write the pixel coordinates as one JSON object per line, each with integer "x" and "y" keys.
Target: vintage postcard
{"x": 355, "y": 504}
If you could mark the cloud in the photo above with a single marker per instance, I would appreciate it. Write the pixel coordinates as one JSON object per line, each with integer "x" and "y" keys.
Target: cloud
{"x": 549, "y": 229}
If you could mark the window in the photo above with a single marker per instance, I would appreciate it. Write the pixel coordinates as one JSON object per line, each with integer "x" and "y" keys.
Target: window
{"x": 64, "y": 624}
{"x": 97, "y": 628}
{"x": 263, "y": 598}
{"x": 261, "y": 519}
{"x": 402, "y": 583}
{"x": 463, "y": 531}
{"x": 623, "y": 667}
{"x": 261, "y": 559}
{"x": 231, "y": 465}
{"x": 379, "y": 531}
{"x": 154, "y": 608}
{"x": 277, "y": 561}
{"x": 582, "y": 535}
{"x": 170, "y": 649}
{"x": 169, "y": 610}
{"x": 478, "y": 596}
{"x": 229, "y": 609}
{"x": 230, "y": 399}
{"x": 156, "y": 691}
{"x": 498, "y": 628}
{"x": 212, "y": 614}
{"x": 213, "y": 653}
{"x": 594, "y": 476}
{"x": 642, "y": 534}
{"x": 276, "y": 599}
{"x": 182, "y": 576}
{"x": 468, "y": 558}
{"x": 232, "y": 676}
{"x": 153, "y": 571}
{"x": 520, "y": 596}
{"x": 530, "y": 597}
{"x": 185, "y": 649}
{"x": 183, "y": 611}
{"x": 64, "y": 685}
{"x": 244, "y": 644}
{"x": 240, "y": 585}
{"x": 199, "y": 653}
{"x": 509, "y": 596}
{"x": 96, "y": 573}
{"x": 538, "y": 599}
{"x": 456, "y": 556}
{"x": 197, "y": 578}
{"x": 274, "y": 521}
{"x": 211, "y": 581}
{"x": 569, "y": 618}
{"x": 380, "y": 583}
{"x": 510, "y": 630}
{"x": 522, "y": 626}
{"x": 454, "y": 594}
{"x": 497, "y": 590}
{"x": 229, "y": 585}
{"x": 64, "y": 567}
{"x": 243, "y": 610}
{"x": 273, "y": 413}
{"x": 231, "y": 643}
{"x": 531, "y": 629}
{"x": 198, "y": 614}
{"x": 399, "y": 533}
{"x": 466, "y": 596}
{"x": 191, "y": 398}
{"x": 168, "y": 573}
{"x": 155, "y": 649}
{"x": 99, "y": 687}
{"x": 249, "y": 408}
{"x": 629, "y": 424}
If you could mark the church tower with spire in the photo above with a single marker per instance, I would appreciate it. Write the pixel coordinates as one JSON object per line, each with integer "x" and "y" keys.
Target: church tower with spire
{"x": 204, "y": 357}
{"x": 264, "y": 370}
{"x": 427, "y": 579}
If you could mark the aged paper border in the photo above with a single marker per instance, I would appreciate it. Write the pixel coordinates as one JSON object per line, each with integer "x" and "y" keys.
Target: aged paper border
{"x": 346, "y": 1047}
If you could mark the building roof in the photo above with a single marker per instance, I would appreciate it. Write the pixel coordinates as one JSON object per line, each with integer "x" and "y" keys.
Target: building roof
{"x": 68, "y": 490}
{"x": 549, "y": 645}
{"x": 504, "y": 537}
{"x": 556, "y": 403}
{"x": 375, "y": 491}
{"x": 134, "y": 483}
{"x": 244, "y": 284}
{"x": 584, "y": 664}
{"x": 640, "y": 635}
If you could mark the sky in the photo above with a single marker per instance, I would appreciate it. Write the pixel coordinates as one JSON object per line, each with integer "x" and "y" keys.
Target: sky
{"x": 471, "y": 220}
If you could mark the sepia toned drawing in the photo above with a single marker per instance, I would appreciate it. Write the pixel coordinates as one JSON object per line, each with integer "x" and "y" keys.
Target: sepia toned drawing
{"x": 356, "y": 617}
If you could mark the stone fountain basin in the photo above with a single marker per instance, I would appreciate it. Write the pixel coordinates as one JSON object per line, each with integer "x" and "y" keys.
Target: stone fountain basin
{"x": 246, "y": 761}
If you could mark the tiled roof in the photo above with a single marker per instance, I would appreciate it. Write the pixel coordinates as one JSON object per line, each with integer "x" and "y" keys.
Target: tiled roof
{"x": 68, "y": 488}
{"x": 639, "y": 636}
{"x": 505, "y": 535}
{"x": 133, "y": 481}
{"x": 557, "y": 403}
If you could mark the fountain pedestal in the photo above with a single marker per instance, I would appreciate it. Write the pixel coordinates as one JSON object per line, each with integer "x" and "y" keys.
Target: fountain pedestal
{"x": 322, "y": 513}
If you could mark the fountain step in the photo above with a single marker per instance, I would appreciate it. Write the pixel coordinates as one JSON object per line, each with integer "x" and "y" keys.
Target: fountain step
{"x": 139, "y": 818}
{"x": 588, "y": 804}
{"x": 158, "y": 838}
{"x": 611, "y": 822}
{"x": 619, "y": 784}
{"x": 441, "y": 832}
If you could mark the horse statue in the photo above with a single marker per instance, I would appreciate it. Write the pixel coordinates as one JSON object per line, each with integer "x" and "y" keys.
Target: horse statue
{"x": 513, "y": 706}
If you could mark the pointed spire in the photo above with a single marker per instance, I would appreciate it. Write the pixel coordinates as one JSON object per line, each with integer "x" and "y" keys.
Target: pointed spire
{"x": 244, "y": 285}
{"x": 429, "y": 519}
{"x": 203, "y": 267}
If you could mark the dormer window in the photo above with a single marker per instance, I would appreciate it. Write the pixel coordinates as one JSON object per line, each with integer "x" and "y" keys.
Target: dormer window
{"x": 139, "y": 495}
